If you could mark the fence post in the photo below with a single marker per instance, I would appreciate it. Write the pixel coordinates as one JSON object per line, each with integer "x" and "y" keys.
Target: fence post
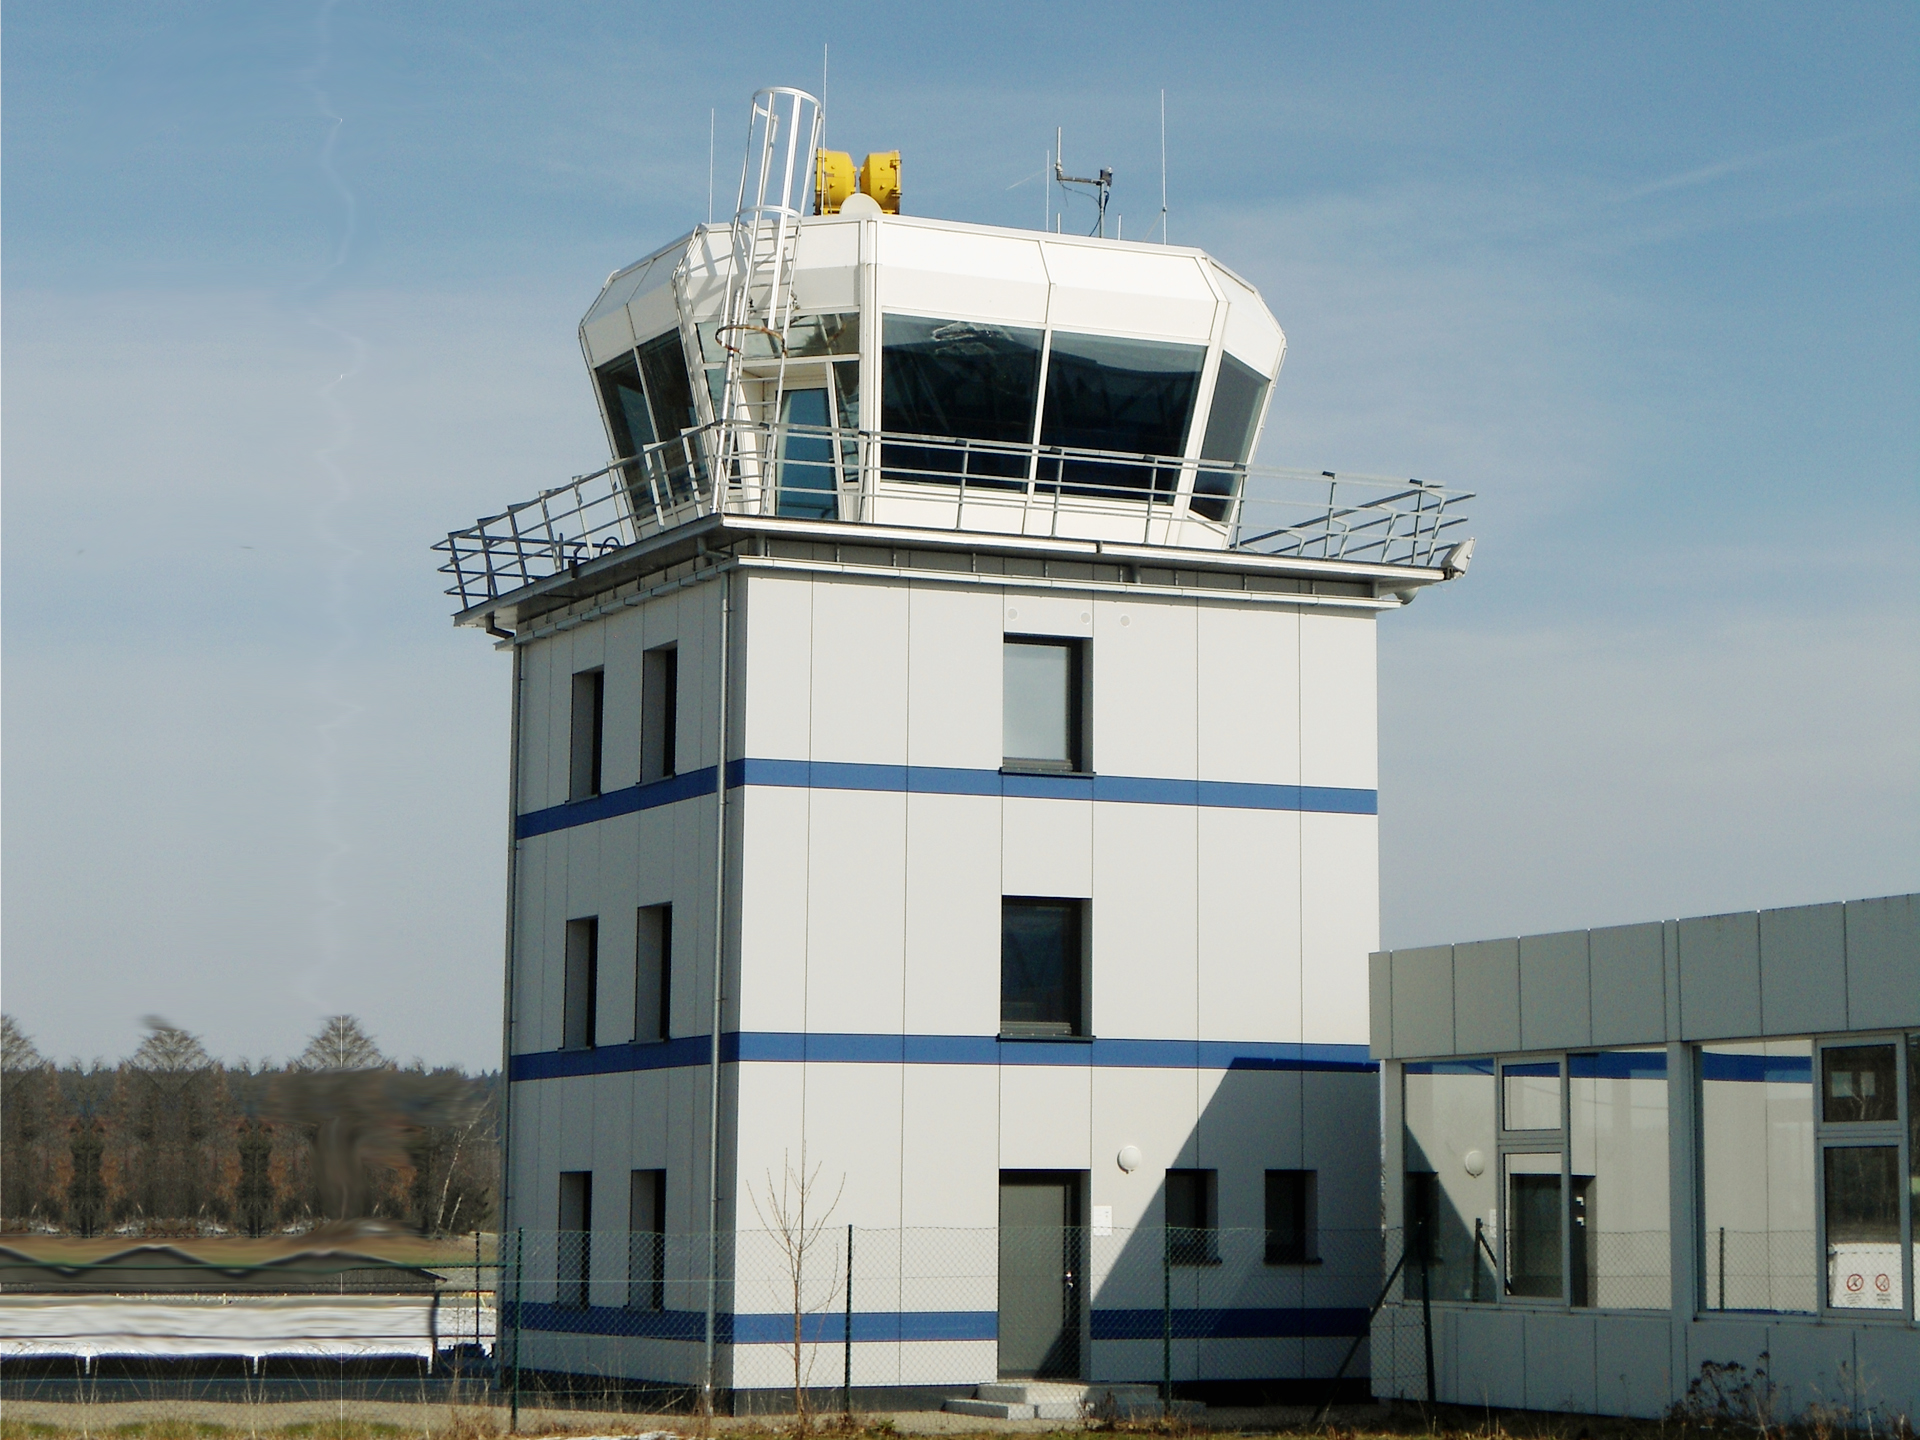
{"x": 1426, "y": 1298}
{"x": 846, "y": 1360}
{"x": 1723, "y": 1268}
{"x": 519, "y": 1251}
{"x": 478, "y": 1349}
{"x": 1166, "y": 1320}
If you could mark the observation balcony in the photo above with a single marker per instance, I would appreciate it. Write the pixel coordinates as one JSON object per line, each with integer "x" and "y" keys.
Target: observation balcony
{"x": 1399, "y": 533}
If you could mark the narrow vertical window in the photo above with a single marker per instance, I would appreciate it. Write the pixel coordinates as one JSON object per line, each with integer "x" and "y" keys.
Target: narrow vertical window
{"x": 582, "y": 984}
{"x": 653, "y": 974}
{"x": 1290, "y": 1217}
{"x": 659, "y": 712}
{"x": 1191, "y": 1229}
{"x": 647, "y": 1240}
{"x": 573, "y": 1258}
{"x": 589, "y": 726}
{"x": 1042, "y": 967}
{"x": 1042, "y": 705}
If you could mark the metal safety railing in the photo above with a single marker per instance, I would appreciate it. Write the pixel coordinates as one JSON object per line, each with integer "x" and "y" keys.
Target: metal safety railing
{"x": 943, "y": 483}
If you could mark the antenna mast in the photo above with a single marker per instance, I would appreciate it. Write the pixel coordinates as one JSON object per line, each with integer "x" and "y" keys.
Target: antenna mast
{"x": 1102, "y": 185}
{"x": 1163, "y": 167}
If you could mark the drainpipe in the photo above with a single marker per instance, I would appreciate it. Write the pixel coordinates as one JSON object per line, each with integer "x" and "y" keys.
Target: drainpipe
{"x": 719, "y": 970}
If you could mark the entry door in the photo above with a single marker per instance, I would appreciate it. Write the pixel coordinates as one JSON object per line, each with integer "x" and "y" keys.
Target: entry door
{"x": 1040, "y": 1275}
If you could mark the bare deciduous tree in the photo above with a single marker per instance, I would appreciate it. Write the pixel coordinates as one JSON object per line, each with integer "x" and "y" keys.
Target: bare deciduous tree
{"x": 798, "y": 1224}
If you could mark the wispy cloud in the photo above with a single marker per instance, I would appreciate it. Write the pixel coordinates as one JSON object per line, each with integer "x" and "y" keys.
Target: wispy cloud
{"x": 1758, "y": 160}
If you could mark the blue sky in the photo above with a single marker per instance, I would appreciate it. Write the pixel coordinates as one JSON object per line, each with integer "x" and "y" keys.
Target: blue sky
{"x": 290, "y": 290}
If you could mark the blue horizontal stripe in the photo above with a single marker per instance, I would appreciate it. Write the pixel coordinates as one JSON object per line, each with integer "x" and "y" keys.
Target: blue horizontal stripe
{"x": 948, "y": 780}
{"x": 1533, "y": 1067}
{"x": 884, "y": 1326}
{"x": 1231, "y": 1324}
{"x": 788, "y": 1047}
{"x": 1450, "y": 1067}
{"x": 691, "y": 785}
{"x": 1774, "y": 1069}
{"x": 1619, "y": 1065}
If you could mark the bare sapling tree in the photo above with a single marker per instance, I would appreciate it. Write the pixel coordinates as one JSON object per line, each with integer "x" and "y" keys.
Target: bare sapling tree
{"x": 797, "y": 1222}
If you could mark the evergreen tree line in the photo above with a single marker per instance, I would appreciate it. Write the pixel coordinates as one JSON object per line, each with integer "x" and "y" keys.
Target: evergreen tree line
{"x": 170, "y": 1141}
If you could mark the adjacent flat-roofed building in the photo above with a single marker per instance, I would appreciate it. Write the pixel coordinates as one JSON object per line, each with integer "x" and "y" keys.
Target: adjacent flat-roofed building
{"x": 1644, "y": 1150}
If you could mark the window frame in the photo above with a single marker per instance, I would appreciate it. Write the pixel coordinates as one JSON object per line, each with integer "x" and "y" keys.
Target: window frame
{"x": 662, "y": 941}
{"x": 1509, "y": 1142}
{"x": 659, "y": 713}
{"x": 1080, "y": 988}
{"x": 1307, "y": 1205}
{"x": 580, "y": 996}
{"x": 1200, "y": 1246}
{"x": 587, "y": 734}
{"x": 1079, "y": 737}
{"x": 1830, "y": 1135}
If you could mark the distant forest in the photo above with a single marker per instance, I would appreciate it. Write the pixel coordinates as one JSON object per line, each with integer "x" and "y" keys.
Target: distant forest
{"x": 171, "y": 1142}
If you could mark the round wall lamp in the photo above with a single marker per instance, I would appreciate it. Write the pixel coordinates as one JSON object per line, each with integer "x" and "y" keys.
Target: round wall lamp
{"x": 1475, "y": 1162}
{"x": 1128, "y": 1159}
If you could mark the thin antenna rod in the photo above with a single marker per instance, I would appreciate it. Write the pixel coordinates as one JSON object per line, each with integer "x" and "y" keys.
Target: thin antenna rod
{"x": 1163, "y": 166}
{"x": 1046, "y": 190}
{"x": 823, "y": 99}
{"x": 710, "y": 115}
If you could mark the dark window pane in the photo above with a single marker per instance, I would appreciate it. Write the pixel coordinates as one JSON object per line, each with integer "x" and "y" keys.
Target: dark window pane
{"x": 664, "y": 365}
{"x": 823, "y": 335}
{"x": 626, "y": 406}
{"x": 1533, "y": 1226}
{"x": 1040, "y": 967}
{"x": 1237, "y": 394}
{"x": 1134, "y": 397}
{"x": 1190, "y": 1231}
{"x": 1040, "y": 717}
{"x": 1289, "y": 1205}
{"x": 959, "y": 380}
{"x": 571, "y": 1245}
{"x": 1863, "y": 1228}
{"x": 806, "y": 470}
{"x": 1860, "y": 1083}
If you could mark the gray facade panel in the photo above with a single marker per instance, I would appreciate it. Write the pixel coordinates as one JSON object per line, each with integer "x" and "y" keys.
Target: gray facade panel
{"x": 1720, "y": 976}
{"x": 1627, "y": 984}
{"x": 1486, "y": 996}
{"x": 1422, "y": 991}
{"x": 1560, "y": 1362}
{"x": 1883, "y": 962}
{"x": 1803, "y": 969}
{"x": 1380, "y": 1003}
{"x": 1555, "y": 1010}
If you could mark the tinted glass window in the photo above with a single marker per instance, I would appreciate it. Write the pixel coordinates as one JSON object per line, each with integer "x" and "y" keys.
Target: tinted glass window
{"x": 664, "y": 367}
{"x": 1133, "y": 397}
{"x": 953, "y": 378}
{"x": 1237, "y": 395}
{"x": 1861, "y": 1082}
{"x": 806, "y": 472}
{"x": 626, "y": 405}
{"x": 1040, "y": 967}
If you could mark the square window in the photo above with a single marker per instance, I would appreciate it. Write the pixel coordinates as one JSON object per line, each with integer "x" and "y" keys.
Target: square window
{"x": 1042, "y": 967}
{"x": 1290, "y": 1218}
{"x": 1042, "y": 714}
{"x": 1859, "y": 1083}
{"x": 1191, "y": 1233}
{"x": 1530, "y": 1095}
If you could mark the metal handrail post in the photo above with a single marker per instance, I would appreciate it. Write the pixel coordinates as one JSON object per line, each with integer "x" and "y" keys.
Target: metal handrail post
{"x": 1166, "y": 1320}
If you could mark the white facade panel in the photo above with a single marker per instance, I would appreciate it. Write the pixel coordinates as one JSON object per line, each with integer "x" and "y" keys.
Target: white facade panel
{"x": 953, "y": 678}
{"x": 778, "y": 672}
{"x": 940, "y": 273}
{"x": 1114, "y": 289}
{"x": 1046, "y": 848}
{"x": 856, "y": 911}
{"x": 1339, "y": 926}
{"x": 1248, "y": 911}
{"x": 774, "y": 888}
{"x": 1044, "y": 1113}
{"x": 1143, "y": 700}
{"x": 1339, "y": 704}
{"x": 952, "y": 925}
{"x": 859, "y": 694}
{"x": 1249, "y": 700}
{"x": 950, "y": 1149}
{"x": 1145, "y": 980}
{"x": 1156, "y": 1111}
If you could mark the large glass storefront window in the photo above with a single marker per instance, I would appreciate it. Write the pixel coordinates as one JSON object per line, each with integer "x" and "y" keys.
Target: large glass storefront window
{"x": 1757, "y": 1175}
{"x": 1619, "y": 1254}
{"x": 1451, "y": 1175}
{"x": 960, "y": 380}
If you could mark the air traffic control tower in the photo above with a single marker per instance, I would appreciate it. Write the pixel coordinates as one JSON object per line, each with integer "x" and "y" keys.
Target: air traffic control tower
{"x": 944, "y": 777}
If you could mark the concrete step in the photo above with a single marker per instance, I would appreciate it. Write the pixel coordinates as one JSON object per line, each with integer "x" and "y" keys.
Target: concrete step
{"x": 1062, "y": 1400}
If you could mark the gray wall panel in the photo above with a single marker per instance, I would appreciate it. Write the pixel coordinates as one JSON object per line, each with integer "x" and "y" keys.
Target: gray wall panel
{"x": 1883, "y": 962}
{"x": 1486, "y": 997}
{"x": 1380, "y": 1003}
{"x": 1720, "y": 976}
{"x": 1422, "y": 995}
{"x": 1560, "y": 1362}
{"x": 1803, "y": 969}
{"x": 1554, "y": 1006}
{"x": 1627, "y": 985}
